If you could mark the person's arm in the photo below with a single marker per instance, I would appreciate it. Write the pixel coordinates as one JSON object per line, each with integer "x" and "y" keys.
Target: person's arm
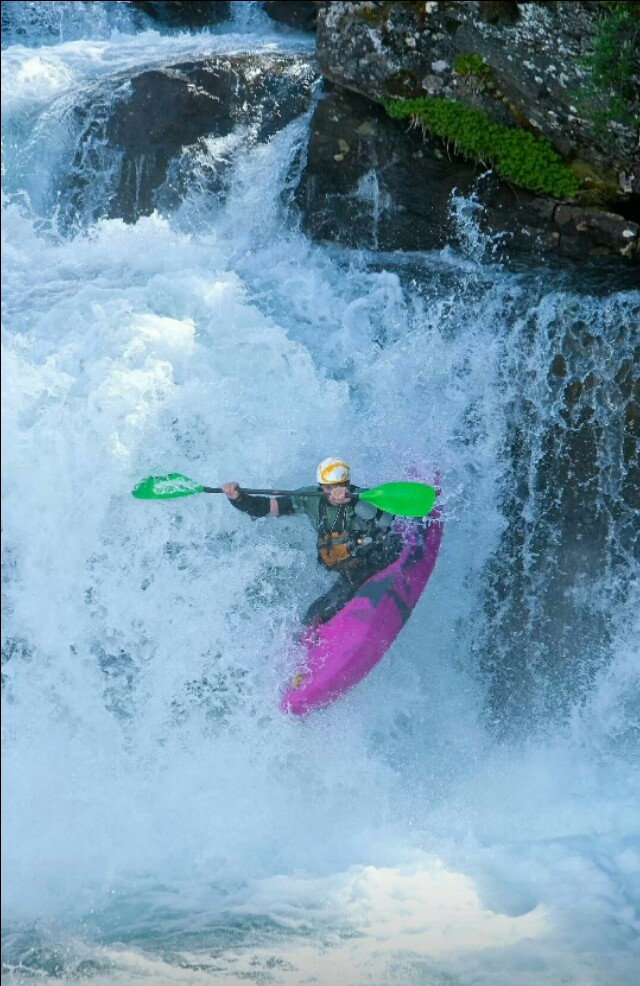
{"x": 257, "y": 506}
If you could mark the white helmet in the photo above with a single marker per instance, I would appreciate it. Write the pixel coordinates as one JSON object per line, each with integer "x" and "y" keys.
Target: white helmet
{"x": 331, "y": 472}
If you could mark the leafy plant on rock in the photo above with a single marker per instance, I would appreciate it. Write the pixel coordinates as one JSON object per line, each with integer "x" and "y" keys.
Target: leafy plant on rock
{"x": 613, "y": 64}
{"x": 516, "y": 155}
{"x": 466, "y": 63}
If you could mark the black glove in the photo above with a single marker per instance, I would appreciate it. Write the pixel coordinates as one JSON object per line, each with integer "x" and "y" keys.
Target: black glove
{"x": 255, "y": 506}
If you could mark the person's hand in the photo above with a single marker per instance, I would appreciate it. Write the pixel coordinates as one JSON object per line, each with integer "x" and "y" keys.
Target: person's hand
{"x": 232, "y": 490}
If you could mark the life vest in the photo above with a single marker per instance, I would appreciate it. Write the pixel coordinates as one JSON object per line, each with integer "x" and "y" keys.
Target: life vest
{"x": 337, "y": 547}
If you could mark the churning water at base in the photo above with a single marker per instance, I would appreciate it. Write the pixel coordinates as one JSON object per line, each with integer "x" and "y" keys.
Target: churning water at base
{"x": 466, "y": 815}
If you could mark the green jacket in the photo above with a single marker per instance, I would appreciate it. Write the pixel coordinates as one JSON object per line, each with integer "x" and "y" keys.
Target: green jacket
{"x": 337, "y": 518}
{"x": 374, "y": 543}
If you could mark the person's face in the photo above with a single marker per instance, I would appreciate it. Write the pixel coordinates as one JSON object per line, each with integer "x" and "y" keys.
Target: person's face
{"x": 337, "y": 493}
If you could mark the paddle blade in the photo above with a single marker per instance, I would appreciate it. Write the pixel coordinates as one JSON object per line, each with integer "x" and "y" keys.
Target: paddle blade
{"x": 166, "y": 487}
{"x": 402, "y": 499}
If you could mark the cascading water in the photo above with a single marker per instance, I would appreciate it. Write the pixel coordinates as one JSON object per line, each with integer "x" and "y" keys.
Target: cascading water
{"x": 469, "y": 813}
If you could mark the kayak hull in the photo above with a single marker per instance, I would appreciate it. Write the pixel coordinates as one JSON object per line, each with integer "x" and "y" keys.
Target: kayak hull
{"x": 340, "y": 652}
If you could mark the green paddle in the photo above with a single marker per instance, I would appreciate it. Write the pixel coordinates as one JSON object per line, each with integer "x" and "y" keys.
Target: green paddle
{"x": 400, "y": 499}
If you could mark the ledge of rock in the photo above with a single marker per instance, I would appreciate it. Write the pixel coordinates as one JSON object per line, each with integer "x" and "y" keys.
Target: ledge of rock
{"x": 295, "y": 13}
{"x": 370, "y": 183}
{"x": 533, "y": 57}
{"x": 186, "y": 13}
{"x": 158, "y": 122}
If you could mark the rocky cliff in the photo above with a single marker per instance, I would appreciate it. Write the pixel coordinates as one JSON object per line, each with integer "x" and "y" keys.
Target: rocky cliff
{"x": 543, "y": 94}
{"x": 531, "y": 110}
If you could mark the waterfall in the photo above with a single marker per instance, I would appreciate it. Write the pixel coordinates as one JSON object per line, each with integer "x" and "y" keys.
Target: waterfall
{"x": 469, "y": 811}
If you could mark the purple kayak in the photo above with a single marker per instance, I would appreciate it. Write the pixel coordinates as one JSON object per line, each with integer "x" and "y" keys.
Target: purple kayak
{"x": 340, "y": 652}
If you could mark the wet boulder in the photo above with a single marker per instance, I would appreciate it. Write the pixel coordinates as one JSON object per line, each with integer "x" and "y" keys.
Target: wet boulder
{"x": 301, "y": 15}
{"x": 539, "y": 71}
{"x": 369, "y": 183}
{"x": 157, "y": 129}
{"x": 185, "y": 13}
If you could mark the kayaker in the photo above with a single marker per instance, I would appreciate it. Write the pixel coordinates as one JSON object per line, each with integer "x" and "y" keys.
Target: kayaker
{"x": 355, "y": 539}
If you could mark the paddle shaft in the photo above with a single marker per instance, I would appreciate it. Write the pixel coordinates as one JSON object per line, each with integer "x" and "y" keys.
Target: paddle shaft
{"x": 218, "y": 489}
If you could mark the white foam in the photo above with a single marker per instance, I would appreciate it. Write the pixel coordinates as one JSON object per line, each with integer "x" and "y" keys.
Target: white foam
{"x": 146, "y": 760}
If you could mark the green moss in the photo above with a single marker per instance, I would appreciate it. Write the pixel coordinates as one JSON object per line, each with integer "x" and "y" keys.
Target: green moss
{"x": 599, "y": 186}
{"x": 466, "y": 63}
{"x": 516, "y": 155}
{"x": 613, "y": 63}
{"x": 629, "y": 8}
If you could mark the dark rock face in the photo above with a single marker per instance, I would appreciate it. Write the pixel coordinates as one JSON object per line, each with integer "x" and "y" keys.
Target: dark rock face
{"x": 533, "y": 53}
{"x": 189, "y": 13}
{"x": 296, "y": 13}
{"x": 495, "y": 11}
{"x": 161, "y": 114}
{"x": 370, "y": 183}
{"x": 535, "y": 61}
{"x": 595, "y": 233}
